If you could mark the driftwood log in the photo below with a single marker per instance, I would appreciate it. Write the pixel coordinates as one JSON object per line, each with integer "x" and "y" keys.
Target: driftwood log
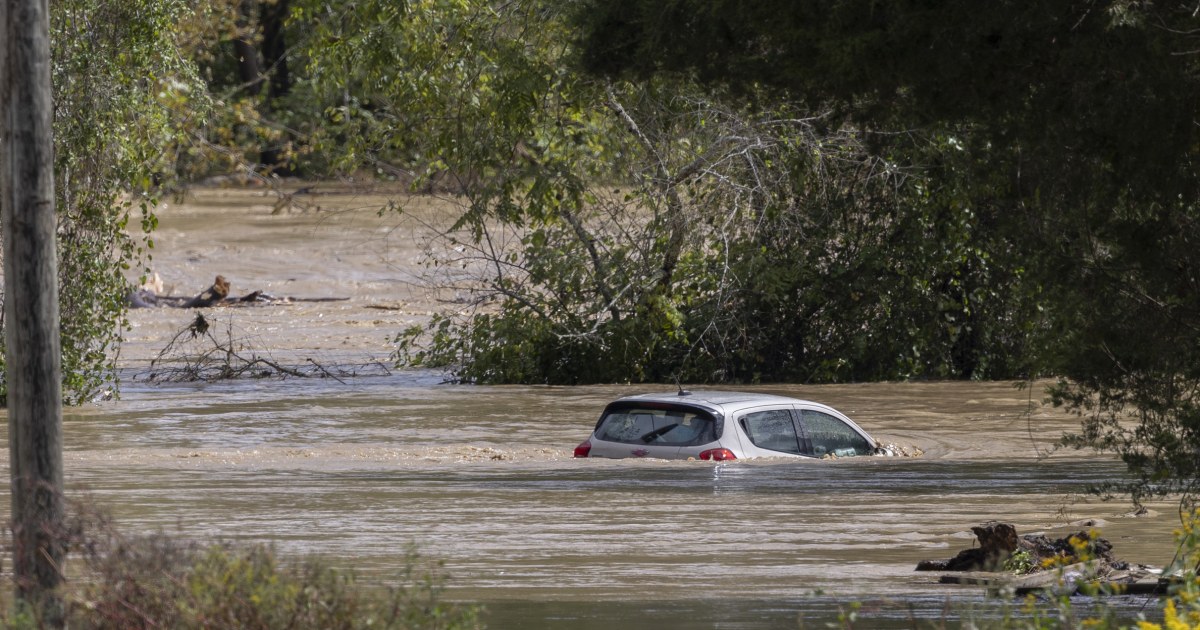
{"x": 998, "y": 541}
{"x": 215, "y": 295}
{"x": 1060, "y": 565}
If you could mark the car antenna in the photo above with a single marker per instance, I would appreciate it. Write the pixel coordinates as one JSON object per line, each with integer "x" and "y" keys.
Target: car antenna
{"x": 682, "y": 391}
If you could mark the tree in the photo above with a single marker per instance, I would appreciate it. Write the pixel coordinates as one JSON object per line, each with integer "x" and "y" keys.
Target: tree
{"x": 124, "y": 108}
{"x": 31, "y": 307}
{"x": 268, "y": 31}
{"x": 72, "y": 191}
{"x": 240, "y": 48}
{"x": 615, "y": 231}
{"x": 1090, "y": 112}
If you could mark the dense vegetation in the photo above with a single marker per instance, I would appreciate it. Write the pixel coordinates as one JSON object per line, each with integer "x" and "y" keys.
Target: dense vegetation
{"x": 119, "y": 114}
{"x": 819, "y": 192}
{"x": 703, "y": 190}
{"x": 648, "y": 230}
{"x": 1083, "y": 118}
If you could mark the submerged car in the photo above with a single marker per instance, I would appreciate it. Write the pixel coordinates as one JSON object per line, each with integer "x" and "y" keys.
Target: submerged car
{"x": 722, "y": 426}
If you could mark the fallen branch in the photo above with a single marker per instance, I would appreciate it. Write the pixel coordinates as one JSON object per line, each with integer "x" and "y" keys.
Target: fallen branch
{"x": 195, "y": 353}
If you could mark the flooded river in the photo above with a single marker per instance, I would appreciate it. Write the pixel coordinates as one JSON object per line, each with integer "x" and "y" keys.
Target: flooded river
{"x": 482, "y": 478}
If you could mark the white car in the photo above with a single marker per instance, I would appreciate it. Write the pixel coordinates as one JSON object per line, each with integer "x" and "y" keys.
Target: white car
{"x": 721, "y": 426}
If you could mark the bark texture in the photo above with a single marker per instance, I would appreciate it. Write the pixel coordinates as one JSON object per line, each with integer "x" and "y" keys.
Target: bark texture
{"x": 33, "y": 368}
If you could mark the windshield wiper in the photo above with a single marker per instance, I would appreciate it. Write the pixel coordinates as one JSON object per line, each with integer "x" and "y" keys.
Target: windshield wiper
{"x": 657, "y": 432}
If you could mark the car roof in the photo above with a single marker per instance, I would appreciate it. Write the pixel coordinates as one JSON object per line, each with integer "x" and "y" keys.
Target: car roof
{"x": 725, "y": 402}
{"x": 713, "y": 398}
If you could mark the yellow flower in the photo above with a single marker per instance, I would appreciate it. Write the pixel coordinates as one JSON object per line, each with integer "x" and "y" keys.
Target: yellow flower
{"x": 1172, "y": 620}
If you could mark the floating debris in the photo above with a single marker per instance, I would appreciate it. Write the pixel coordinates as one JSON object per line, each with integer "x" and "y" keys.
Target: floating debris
{"x": 1006, "y": 562}
{"x": 898, "y": 450}
{"x": 201, "y": 352}
{"x": 150, "y": 295}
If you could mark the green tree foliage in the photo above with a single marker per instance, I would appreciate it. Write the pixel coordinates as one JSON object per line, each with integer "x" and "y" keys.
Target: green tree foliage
{"x": 237, "y": 46}
{"x": 121, "y": 101}
{"x": 1087, "y": 117}
{"x": 617, "y": 231}
{"x": 897, "y": 275}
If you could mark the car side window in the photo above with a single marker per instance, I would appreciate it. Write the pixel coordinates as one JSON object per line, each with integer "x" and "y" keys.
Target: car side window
{"x": 772, "y": 430}
{"x": 830, "y": 436}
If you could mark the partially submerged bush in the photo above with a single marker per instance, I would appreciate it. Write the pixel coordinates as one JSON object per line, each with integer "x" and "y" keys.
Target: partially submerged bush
{"x": 229, "y": 587}
{"x": 160, "y": 582}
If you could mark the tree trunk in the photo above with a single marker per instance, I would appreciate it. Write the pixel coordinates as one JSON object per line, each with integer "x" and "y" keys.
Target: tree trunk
{"x": 272, "y": 15}
{"x": 247, "y": 61}
{"x": 31, "y": 306}
{"x": 247, "y": 55}
{"x": 272, "y": 71}
{"x": 274, "y": 49}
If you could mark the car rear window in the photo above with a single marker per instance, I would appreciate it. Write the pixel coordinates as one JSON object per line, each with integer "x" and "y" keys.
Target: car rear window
{"x": 663, "y": 427}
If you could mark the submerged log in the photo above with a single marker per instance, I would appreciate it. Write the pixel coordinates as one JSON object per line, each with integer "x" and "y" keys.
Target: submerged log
{"x": 1093, "y": 577}
{"x": 1006, "y": 562}
{"x": 212, "y": 295}
{"x": 1028, "y": 581}
{"x": 215, "y": 295}
{"x": 999, "y": 541}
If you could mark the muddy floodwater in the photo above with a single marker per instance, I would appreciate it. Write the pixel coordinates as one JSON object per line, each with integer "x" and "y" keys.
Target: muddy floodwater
{"x": 482, "y": 478}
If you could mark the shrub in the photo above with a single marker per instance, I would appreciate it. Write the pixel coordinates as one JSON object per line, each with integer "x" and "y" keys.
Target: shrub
{"x": 158, "y": 581}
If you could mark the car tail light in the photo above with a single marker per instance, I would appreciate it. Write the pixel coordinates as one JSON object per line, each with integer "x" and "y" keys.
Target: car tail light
{"x": 583, "y": 449}
{"x": 712, "y": 454}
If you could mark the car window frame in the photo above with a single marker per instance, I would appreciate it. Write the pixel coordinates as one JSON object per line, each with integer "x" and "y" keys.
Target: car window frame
{"x": 798, "y": 418}
{"x": 715, "y": 418}
{"x": 740, "y": 420}
{"x": 804, "y": 439}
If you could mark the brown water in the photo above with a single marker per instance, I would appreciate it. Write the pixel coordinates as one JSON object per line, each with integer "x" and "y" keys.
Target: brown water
{"x": 483, "y": 479}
